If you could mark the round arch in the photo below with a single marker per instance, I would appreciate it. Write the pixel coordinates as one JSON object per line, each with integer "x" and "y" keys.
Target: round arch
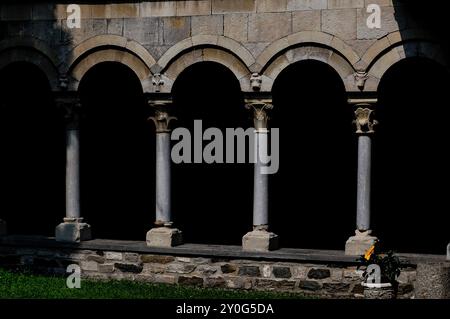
{"x": 191, "y": 43}
{"x": 109, "y": 48}
{"x": 209, "y": 54}
{"x": 294, "y": 55}
{"x": 33, "y": 51}
{"x": 403, "y": 50}
{"x": 109, "y": 55}
{"x": 307, "y": 45}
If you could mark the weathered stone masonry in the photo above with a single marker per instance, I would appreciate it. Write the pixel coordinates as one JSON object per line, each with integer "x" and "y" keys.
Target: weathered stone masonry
{"x": 256, "y": 40}
{"x": 314, "y": 272}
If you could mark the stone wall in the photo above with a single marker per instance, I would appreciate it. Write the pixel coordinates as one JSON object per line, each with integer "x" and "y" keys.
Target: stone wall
{"x": 327, "y": 279}
{"x": 248, "y": 36}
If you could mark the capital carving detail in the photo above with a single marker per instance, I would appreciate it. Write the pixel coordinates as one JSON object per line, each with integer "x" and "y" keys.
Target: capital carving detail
{"x": 364, "y": 120}
{"x": 162, "y": 118}
{"x": 71, "y": 108}
{"x": 260, "y": 116}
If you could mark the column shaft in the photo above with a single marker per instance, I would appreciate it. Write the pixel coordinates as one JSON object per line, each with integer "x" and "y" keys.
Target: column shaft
{"x": 364, "y": 182}
{"x": 72, "y": 174}
{"x": 260, "y": 189}
{"x": 163, "y": 200}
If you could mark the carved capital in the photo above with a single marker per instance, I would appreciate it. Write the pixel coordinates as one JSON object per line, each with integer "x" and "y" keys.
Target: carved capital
{"x": 157, "y": 81}
{"x": 360, "y": 79}
{"x": 162, "y": 118}
{"x": 255, "y": 81}
{"x": 259, "y": 108}
{"x": 71, "y": 108}
{"x": 364, "y": 119}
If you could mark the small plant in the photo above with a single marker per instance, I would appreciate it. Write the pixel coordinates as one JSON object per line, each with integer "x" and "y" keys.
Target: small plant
{"x": 389, "y": 265}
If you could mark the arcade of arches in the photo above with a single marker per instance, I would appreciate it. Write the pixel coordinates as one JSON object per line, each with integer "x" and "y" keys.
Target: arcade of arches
{"x": 111, "y": 154}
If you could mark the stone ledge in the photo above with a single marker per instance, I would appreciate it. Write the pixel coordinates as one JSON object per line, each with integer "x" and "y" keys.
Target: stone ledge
{"x": 202, "y": 250}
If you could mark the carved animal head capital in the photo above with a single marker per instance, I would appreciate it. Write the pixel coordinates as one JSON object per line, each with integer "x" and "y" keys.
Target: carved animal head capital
{"x": 364, "y": 120}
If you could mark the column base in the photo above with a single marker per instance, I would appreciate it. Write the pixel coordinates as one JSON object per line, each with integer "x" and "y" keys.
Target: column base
{"x": 448, "y": 252}
{"x": 73, "y": 230}
{"x": 360, "y": 243}
{"x": 260, "y": 241}
{"x": 2, "y": 228}
{"x": 164, "y": 237}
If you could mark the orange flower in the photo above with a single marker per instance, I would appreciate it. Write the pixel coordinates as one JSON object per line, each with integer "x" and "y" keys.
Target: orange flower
{"x": 369, "y": 252}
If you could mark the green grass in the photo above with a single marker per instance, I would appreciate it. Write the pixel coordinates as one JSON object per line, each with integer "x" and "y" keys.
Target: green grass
{"x": 23, "y": 285}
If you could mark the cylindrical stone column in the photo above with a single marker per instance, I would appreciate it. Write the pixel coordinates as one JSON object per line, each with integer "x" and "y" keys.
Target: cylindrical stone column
{"x": 73, "y": 173}
{"x": 163, "y": 200}
{"x": 260, "y": 239}
{"x": 261, "y": 182}
{"x": 362, "y": 241}
{"x": 364, "y": 179}
{"x": 73, "y": 229}
{"x": 163, "y": 235}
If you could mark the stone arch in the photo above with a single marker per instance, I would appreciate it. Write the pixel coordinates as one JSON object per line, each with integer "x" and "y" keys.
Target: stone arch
{"x": 401, "y": 51}
{"x": 225, "y": 43}
{"x": 109, "y": 48}
{"x": 390, "y": 50}
{"x": 325, "y": 55}
{"x": 305, "y": 45}
{"x": 33, "y": 51}
{"x": 211, "y": 54}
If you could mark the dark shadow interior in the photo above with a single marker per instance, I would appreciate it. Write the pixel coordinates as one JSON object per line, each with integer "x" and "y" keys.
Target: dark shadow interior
{"x": 117, "y": 154}
{"x": 212, "y": 203}
{"x": 312, "y": 197}
{"x": 411, "y": 159}
{"x": 33, "y": 152}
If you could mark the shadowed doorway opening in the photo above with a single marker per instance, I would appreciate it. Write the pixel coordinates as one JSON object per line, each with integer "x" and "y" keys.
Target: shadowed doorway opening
{"x": 117, "y": 154}
{"x": 212, "y": 203}
{"x": 313, "y": 196}
{"x": 411, "y": 160}
{"x": 33, "y": 152}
